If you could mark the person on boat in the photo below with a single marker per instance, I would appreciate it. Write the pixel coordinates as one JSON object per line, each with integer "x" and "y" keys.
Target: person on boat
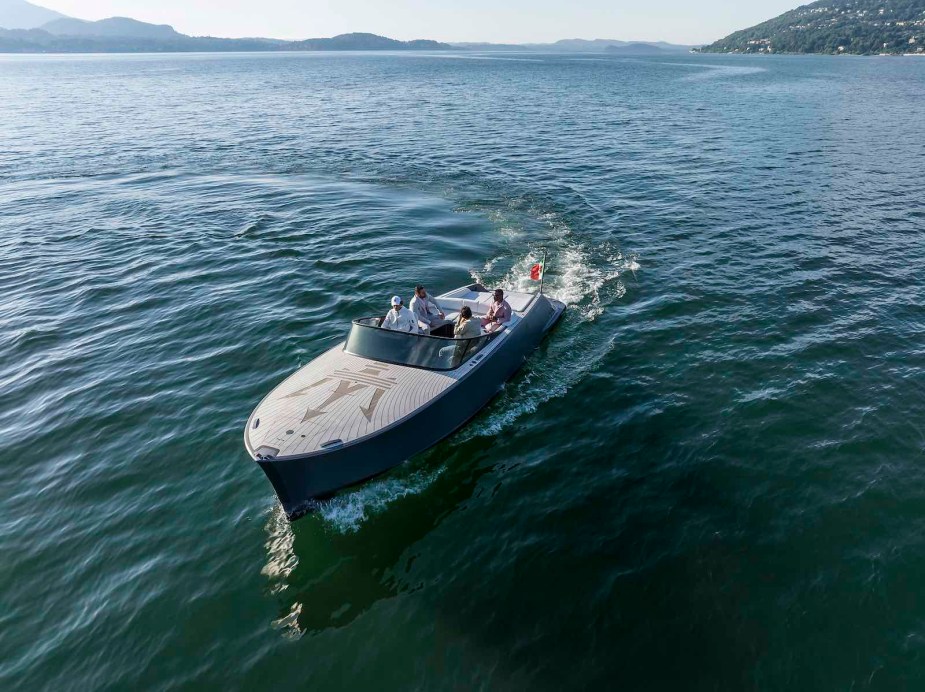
{"x": 499, "y": 313}
{"x": 425, "y": 309}
{"x": 466, "y": 327}
{"x": 400, "y": 318}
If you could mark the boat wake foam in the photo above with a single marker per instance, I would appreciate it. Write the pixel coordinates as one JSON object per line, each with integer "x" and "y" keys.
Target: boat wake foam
{"x": 347, "y": 512}
{"x": 587, "y": 282}
{"x": 552, "y": 377}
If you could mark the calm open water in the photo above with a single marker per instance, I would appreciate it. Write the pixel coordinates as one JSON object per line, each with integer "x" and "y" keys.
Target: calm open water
{"x": 711, "y": 476}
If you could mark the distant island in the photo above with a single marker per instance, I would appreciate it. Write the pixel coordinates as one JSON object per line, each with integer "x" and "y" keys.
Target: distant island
{"x": 637, "y": 49}
{"x": 856, "y": 27}
{"x": 581, "y": 45}
{"x": 29, "y": 28}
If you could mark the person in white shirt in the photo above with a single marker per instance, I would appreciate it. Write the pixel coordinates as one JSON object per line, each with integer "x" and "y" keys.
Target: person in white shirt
{"x": 428, "y": 314}
{"x": 400, "y": 318}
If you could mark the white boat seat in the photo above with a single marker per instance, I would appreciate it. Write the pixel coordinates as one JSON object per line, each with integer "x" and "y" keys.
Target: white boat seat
{"x": 456, "y": 304}
{"x": 518, "y": 302}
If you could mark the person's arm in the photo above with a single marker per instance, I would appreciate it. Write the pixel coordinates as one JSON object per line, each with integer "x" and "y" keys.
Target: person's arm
{"x": 420, "y": 310}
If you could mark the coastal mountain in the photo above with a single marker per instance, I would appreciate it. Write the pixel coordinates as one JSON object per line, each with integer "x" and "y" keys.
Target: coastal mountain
{"x": 123, "y": 35}
{"x": 19, "y": 14}
{"x": 121, "y": 27}
{"x": 28, "y": 28}
{"x": 39, "y": 41}
{"x": 861, "y": 27}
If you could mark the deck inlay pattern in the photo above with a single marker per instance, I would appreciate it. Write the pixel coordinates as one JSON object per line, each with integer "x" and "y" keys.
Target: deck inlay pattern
{"x": 341, "y": 396}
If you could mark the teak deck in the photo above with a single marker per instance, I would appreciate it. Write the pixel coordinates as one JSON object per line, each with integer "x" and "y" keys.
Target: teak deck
{"x": 342, "y": 397}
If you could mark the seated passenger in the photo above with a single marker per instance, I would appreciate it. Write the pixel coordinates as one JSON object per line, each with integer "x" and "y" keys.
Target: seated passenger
{"x": 400, "y": 318}
{"x": 466, "y": 327}
{"x": 499, "y": 313}
{"x": 425, "y": 309}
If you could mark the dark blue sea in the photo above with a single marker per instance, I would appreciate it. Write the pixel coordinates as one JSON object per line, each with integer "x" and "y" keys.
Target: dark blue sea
{"x": 710, "y": 477}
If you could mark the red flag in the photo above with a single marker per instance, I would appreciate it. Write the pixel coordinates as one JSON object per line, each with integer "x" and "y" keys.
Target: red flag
{"x": 536, "y": 271}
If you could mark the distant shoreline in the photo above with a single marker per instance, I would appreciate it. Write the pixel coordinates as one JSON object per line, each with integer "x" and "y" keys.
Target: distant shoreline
{"x": 228, "y": 52}
{"x": 447, "y": 51}
{"x": 118, "y": 35}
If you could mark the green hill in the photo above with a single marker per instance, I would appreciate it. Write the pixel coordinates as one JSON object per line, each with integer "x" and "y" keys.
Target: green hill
{"x": 861, "y": 27}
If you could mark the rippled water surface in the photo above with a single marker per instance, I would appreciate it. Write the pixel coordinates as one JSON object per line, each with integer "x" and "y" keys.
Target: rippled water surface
{"x": 711, "y": 476}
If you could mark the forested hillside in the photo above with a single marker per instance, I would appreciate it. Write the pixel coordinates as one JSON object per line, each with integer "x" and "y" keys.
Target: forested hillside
{"x": 862, "y": 27}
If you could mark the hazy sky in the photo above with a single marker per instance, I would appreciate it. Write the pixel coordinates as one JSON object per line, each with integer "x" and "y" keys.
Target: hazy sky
{"x": 678, "y": 21}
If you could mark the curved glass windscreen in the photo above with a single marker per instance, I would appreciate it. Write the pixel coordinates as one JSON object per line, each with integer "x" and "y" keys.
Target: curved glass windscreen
{"x": 368, "y": 340}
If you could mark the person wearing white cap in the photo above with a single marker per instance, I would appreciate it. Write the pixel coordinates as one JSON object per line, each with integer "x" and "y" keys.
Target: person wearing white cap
{"x": 400, "y": 318}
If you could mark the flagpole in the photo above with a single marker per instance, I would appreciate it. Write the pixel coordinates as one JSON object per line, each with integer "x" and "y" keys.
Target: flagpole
{"x": 543, "y": 271}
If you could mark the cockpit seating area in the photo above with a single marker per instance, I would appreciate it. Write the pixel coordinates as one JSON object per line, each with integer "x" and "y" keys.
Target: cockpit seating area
{"x": 479, "y": 301}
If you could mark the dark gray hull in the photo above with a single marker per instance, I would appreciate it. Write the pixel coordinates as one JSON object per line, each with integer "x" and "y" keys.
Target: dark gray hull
{"x": 300, "y": 481}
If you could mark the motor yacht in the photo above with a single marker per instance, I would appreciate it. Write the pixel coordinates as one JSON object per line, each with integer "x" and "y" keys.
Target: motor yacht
{"x": 382, "y": 396}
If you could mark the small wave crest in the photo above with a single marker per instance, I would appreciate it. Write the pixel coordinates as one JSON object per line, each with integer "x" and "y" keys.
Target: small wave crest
{"x": 255, "y": 225}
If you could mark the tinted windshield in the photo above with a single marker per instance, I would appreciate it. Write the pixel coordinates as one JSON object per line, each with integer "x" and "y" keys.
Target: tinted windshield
{"x": 368, "y": 340}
